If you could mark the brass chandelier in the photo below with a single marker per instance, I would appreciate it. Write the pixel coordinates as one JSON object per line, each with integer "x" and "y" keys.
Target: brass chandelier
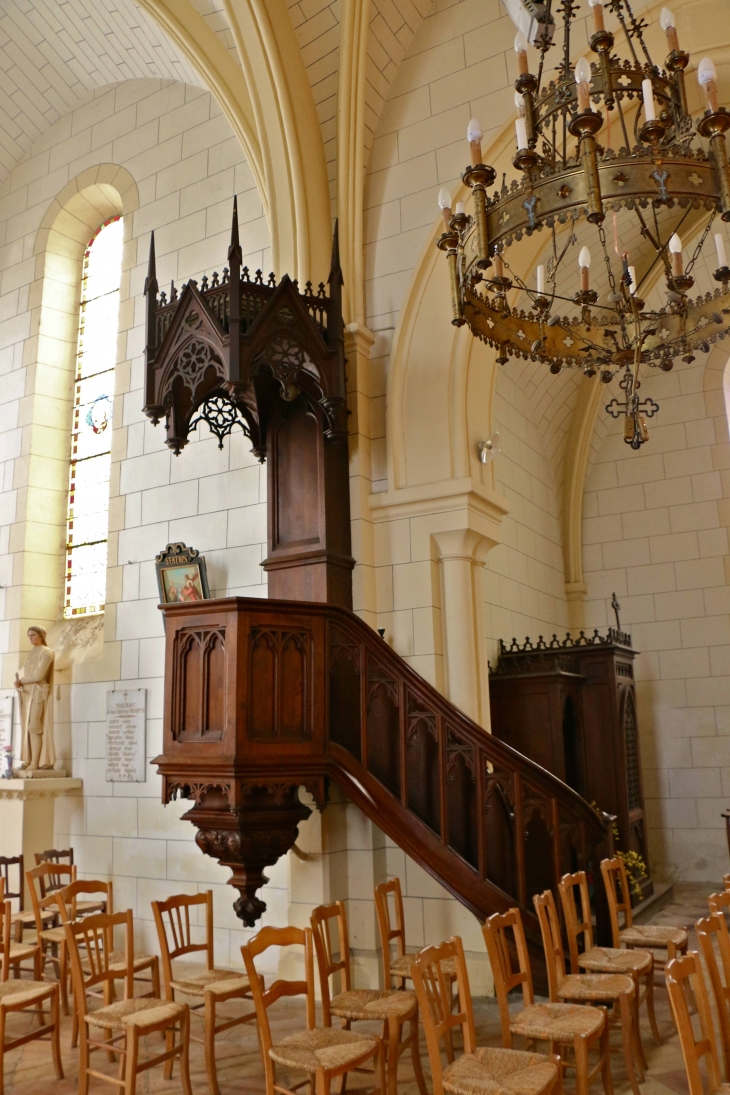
{"x": 669, "y": 173}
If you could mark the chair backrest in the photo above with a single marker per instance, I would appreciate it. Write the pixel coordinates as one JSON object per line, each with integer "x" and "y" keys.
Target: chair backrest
{"x": 175, "y": 930}
{"x": 321, "y": 921}
{"x": 39, "y": 894}
{"x": 577, "y": 922}
{"x": 504, "y": 934}
{"x": 6, "y": 862}
{"x": 726, "y": 881}
{"x": 618, "y": 895}
{"x": 93, "y": 936}
{"x": 433, "y": 992}
{"x": 711, "y": 929}
{"x": 547, "y": 915}
{"x": 263, "y": 998}
{"x": 67, "y": 897}
{"x": 53, "y": 855}
{"x": 681, "y": 973}
{"x": 5, "y": 939}
{"x": 719, "y": 904}
{"x": 392, "y": 929}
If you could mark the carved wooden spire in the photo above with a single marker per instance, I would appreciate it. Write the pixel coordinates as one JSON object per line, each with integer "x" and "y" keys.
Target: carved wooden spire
{"x": 234, "y": 308}
{"x": 150, "y": 292}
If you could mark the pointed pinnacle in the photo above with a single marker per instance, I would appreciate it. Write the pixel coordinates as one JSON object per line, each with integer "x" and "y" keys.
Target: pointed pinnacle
{"x": 151, "y": 265}
{"x": 336, "y": 270}
{"x": 234, "y": 226}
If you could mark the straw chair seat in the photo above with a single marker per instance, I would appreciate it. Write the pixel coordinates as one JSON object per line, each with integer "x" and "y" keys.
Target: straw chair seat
{"x": 20, "y": 951}
{"x": 401, "y": 967}
{"x": 653, "y": 935}
{"x": 615, "y": 960}
{"x": 490, "y": 1071}
{"x": 17, "y": 992}
{"x": 373, "y": 1004}
{"x": 142, "y": 1011}
{"x": 601, "y": 986}
{"x": 216, "y": 982}
{"x": 557, "y": 1022}
{"x": 323, "y": 1047}
{"x": 53, "y": 935}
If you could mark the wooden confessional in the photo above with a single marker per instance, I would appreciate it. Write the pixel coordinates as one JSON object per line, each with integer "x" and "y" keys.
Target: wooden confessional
{"x": 265, "y": 696}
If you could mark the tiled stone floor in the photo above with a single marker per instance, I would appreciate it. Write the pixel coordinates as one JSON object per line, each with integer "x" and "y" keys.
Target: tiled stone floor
{"x": 29, "y": 1071}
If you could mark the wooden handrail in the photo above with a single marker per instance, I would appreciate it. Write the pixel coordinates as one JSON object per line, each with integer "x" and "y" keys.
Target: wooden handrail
{"x": 264, "y": 696}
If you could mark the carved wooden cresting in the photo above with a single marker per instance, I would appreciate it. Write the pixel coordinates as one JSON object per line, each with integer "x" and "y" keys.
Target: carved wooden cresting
{"x": 289, "y": 694}
{"x": 571, "y": 706}
{"x": 238, "y": 352}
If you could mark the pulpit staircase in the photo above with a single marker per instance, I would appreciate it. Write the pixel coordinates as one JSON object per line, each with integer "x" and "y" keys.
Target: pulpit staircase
{"x": 266, "y": 696}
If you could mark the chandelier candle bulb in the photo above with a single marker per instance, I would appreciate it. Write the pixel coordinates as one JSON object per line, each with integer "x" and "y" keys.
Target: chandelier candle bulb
{"x": 632, "y": 275}
{"x": 598, "y": 24}
{"x": 675, "y": 249}
{"x": 541, "y": 281}
{"x": 498, "y": 265}
{"x": 584, "y": 264}
{"x": 720, "y": 248}
{"x": 583, "y": 80}
{"x": 521, "y": 51}
{"x": 445, "y": 207}
{"x": 459, "y": 209}
{"x": 647, "y": 94}
{"x": 666, "y": 22}
{"x": 521, "y": 133}
{"x": 707, "y": 78}
{"x": 474, "y": 136}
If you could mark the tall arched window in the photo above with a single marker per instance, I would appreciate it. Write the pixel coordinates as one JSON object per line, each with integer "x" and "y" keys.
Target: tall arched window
{"x": 88, "y": 495}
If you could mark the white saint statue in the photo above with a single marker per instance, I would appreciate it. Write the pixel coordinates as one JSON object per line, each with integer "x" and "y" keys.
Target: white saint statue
{"x": 35, "y": 691}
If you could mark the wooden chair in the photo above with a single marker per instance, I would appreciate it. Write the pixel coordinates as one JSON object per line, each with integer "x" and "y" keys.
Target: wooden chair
{"x": 396, "y": 970}
{"x": 719, "y": 904}
{"x": 726, "y": 881}
{"x": 23, "y": 918}
{"x": 18, "y": 996}
{"x": 212, "y": 986}
{"x": 54, "y": 881}
{"x": 69, "y": 905}
{"x": 639, "y": 964}
{"x": 390, "y": 1007}
{"x": 90, "y": 945}
{"x": 648, "y": 936}
{"x": 322, "y": 1053}
{"x": 478, "y": 1069}
{"x": 709, "y": 930}
{"x": 684, "y": 982}
{"x": 12, "y": 953}
{"x": 615, "y": 989}
{"x": 52, "y": 941}
{"x": 569, "y": 1025}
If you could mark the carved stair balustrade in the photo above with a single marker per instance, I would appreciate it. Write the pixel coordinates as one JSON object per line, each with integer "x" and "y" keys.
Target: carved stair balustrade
{"x": 309, "y": 693}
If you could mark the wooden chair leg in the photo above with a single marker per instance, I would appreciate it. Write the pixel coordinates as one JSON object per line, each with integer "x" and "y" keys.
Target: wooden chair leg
{"x": 169, "y": 1044}
{"x": 322, "y": 1081}
{"x": 56, "y": 1035}
{"x": 210, "y": 1044}
{"x": 184, "y": 1050}
{"x": 130, "y": 1072}
{"x": 627, "y": 1036}
{"x": 63, "y": 977}
{"x": 84, "y": 1060}
{"x": 605, "y": 1051}
{"x": 649, "y": 997}
{"x": 2, "y": 1050}
{"x": 580, "y": 1049}
{"x": 394, "y": 1033}
{"x": 416, "y": 1056}
{"x": 379, "y": 1064}
{"x": 641, "y": 1056}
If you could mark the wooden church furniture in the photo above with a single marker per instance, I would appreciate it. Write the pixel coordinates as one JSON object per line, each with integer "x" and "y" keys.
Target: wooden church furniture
{"x": 175, "y": 920}
{"x": 726, "y": 881}
{"x": 562, "y": 1025}
{"x": 685, "y": 981}
{"x": 571, "y": 706}
{"x": 398, "y": 969}
{"x": 719, "y": 904}
{"x": 322, "y": 1053}
{"x": 390, "y": 1007}
{"x": 123, "y": 1023}
{"x": 652, "y": 936}
{"x": 615, "y": 989}
{"x": 480, "y": 1068}
{"x": 263, "y": 698}
{"x": 69, "y": 907}
{"x": 20, "y": 996}
{"x": 52, "y": 941}
{"x": 12, "y": 952}
{"x": 710, "y": 930}
{"x": 579, "y": 930}
{"x": 54, "y": 881}
{"x": 23, "y": 918}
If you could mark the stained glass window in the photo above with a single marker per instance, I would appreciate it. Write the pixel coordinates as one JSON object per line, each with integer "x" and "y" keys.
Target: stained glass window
{"x": 88, "y": 493}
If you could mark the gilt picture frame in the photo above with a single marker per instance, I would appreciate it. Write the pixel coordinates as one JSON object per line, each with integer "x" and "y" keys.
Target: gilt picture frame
{"x": 181, "y": 575}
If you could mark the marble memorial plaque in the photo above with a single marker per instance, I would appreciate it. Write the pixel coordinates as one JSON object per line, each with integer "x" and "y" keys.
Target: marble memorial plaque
{"x": 125, "y": 736}
{"x": 7, "y": 704}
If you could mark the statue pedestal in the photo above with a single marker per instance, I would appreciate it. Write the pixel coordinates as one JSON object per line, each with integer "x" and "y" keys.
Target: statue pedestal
{"x": 26, "y": 815}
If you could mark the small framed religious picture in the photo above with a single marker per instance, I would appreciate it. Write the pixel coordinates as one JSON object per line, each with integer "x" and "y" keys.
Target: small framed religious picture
{"x": 181, "y": 575}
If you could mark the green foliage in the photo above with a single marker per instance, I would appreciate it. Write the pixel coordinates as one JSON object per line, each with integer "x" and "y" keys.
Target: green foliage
{"x": 633, "y": 862}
